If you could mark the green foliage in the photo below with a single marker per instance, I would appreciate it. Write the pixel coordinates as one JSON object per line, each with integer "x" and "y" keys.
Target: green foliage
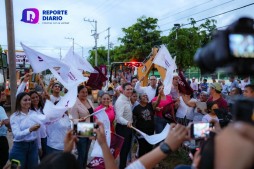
{"x": 139, "y": 39}
{"x": 184, "y": 42}
{"x": 102, "y": 54}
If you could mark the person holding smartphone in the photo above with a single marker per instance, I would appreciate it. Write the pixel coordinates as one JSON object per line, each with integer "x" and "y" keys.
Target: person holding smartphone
{"x": 82, "y": 108}
{"x": 24, "y": 130}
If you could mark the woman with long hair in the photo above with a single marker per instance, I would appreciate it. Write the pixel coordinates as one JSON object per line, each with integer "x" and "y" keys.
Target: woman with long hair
{"x": 24, "y": 130}
{"x": 37, "y": 105}
{"x": 82, "y": 108}
{"x": 159, "y": 102}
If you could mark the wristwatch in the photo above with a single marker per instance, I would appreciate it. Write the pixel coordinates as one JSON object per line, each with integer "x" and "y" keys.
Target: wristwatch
{"x": 165, "y": 148}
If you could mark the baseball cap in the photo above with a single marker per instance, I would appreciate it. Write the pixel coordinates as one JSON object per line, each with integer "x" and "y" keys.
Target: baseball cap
{"x": 216, "y": 86}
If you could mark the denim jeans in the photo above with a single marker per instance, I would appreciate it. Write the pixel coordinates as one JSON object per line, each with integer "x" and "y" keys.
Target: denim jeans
{"x": 26, "y": 153}
{"x": 51, "y": 150}
{"x": 83, "y": 146}
{"x": 44, "y": 147}
{"x": 159, "y": 123}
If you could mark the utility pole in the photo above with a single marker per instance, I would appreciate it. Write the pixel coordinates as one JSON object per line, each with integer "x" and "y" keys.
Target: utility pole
{"x": 60, "y": 53}
{"x": 108, "y": 45}
{"x": 96, "y": 36}
{"x": 82, "y": 49}
{"x": 177, "y": 26}
{"x": 11, "y": 51}
{"x": 72, "y": 42}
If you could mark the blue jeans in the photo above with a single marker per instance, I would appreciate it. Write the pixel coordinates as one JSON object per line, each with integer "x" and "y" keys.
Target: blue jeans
{"x": 159, "y": 123}
{"x": 44, "y": 147}
{"x": 26, "y": 153}
{"x": 83, "y": 146}
{"x": 51, "y": 150}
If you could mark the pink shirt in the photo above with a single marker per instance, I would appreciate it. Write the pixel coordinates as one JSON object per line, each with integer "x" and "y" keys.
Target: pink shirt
{"x": 162, "y": 104}
{"x": 111, "y": 115}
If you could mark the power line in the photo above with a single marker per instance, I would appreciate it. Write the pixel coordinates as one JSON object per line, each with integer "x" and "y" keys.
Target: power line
{"x": 222, "y": 13}
{"x": 214, "y": 15}
{"x": 102, "y": 6}
{"x": 113, "y": 5}
{"x": 197, "y": 13}
{"x": 185, "y": 10}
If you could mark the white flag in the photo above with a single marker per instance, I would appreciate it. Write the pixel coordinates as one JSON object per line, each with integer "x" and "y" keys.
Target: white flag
{"x": 167, "y": 82}
{"x": 52, "y": 112}
{"x": 164, "y": 59}
{"x": 69, "y": 99}
{"x": 73, "y": 78}
{"x": 55, "y": 112}
{"x": 41, "y": 62}
{"x": 78, "y": 62}
{"x": 156, "y": 138}
{"x": 102, "y": 116}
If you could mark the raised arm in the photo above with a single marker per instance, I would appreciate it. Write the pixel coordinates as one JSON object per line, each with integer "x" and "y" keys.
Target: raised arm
{"x": 188, "y": 102}
{"x": 109, "y": 160}
{"x": 22, "y": 85}
{"x": 157, "y": 101}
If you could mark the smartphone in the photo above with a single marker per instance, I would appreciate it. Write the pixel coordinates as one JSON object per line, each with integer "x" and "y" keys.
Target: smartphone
{"x": 15, "y": 164}
{"x": 84, "y": 129}
{"x": 200, "y": 130}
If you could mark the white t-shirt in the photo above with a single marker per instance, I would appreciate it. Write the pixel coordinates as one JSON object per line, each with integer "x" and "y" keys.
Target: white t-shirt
{"x": 53, "y": 99}
{"x": 208, "y": 118}
{"x": 184, "y": 110}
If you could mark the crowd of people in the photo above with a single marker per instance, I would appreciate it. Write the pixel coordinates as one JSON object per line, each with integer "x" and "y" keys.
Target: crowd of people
{"x": 128, "y": 105}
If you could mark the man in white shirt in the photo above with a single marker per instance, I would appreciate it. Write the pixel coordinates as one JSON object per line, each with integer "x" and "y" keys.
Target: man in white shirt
{"x": 149, "y": 90}
{"x": 194, "y": 86}
{"x": 123, "y": 109}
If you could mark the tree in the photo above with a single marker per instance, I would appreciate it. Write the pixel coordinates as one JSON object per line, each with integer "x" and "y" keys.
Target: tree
{"x": 138, "y": 40}
{"x": 101, "y": 56}
{"x": 184, "y": 42}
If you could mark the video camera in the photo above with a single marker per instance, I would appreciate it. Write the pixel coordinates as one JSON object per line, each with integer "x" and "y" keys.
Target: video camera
{"x": 231, "y": 49}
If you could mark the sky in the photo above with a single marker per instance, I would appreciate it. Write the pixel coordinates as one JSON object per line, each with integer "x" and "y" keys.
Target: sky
{"x": 56, "y": 38}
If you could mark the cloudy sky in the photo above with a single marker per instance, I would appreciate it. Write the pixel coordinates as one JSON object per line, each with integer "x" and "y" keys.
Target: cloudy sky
{"x": 116, "y": 14}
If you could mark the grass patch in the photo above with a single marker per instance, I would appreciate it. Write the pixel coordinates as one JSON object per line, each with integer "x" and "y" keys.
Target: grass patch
{"x": 178, "y": 157}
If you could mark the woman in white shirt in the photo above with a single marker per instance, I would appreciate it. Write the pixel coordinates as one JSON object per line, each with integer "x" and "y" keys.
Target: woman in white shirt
{"x": 24, "y": 127}
{"x": 37, "y": 105}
